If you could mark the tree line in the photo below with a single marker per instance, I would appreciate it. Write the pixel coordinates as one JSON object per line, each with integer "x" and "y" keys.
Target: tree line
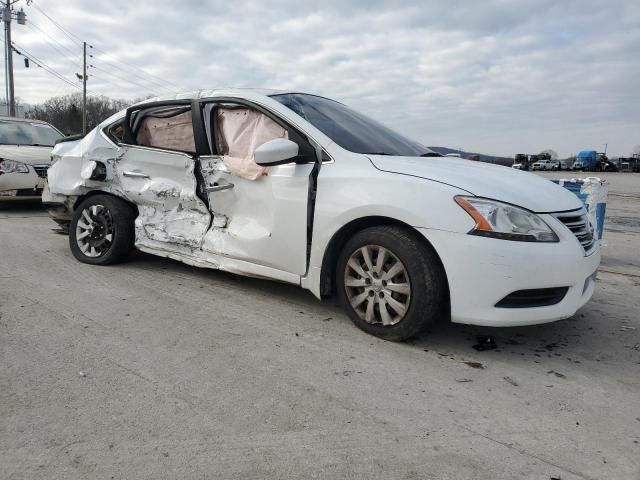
{"x": 65, "y": 112}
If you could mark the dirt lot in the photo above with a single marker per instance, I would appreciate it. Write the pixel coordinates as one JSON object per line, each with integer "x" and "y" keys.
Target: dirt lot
{"x": 154, "y": 369}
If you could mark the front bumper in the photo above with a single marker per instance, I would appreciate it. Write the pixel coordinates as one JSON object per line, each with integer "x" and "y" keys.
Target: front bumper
{"x": 482, "y": 271}
{"x": 21, "y": 184}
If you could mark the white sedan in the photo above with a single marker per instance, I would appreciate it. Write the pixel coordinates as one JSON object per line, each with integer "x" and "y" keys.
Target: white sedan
{"x": 302, "y": 189}
{"x": 25, "y": 155}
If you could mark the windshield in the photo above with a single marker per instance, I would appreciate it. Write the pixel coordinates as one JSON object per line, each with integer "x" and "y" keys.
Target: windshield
{"x": 350, "y": 129}
{"x": 27, "y": 133}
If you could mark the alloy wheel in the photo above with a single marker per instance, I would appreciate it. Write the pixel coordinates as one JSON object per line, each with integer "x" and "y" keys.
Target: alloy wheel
{"x": 94, "y": 231}
{"x": 377, "y": 285}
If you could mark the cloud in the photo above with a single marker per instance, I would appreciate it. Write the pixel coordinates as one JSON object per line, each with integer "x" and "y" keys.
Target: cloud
{"x": 499, "y": 76}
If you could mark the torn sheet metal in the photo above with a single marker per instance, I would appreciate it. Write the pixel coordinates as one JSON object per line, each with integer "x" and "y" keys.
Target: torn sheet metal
{"x": 169, "y": 209}
{"x": 65, "y": 177}
{"x": 163, "y": 186}
{"x": 239, "y": 131}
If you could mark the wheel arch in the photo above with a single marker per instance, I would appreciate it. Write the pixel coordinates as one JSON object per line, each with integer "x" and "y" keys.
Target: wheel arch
{"x": 337, "y": 242}
{"x": 93, "y": 193}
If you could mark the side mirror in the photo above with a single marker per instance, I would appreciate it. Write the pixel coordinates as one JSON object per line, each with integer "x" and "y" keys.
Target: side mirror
{"x": 276, "y": 152}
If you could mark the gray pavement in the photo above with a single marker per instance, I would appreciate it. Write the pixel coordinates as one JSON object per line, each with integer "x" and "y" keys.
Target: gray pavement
{"x": 154, "y": 369}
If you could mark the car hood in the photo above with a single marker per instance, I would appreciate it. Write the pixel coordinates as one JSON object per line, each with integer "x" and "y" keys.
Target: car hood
{"x": 508, "y": 185}
{"x": 26, "y": 154}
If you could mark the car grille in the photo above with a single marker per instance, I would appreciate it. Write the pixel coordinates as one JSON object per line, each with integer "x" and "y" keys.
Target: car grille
{"x": 578, "y": 222}
{"x": 41, "y": 170}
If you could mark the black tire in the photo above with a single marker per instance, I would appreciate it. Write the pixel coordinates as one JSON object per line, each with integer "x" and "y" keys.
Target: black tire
{"x": 426, "y": 278}
{"x": 122, "y": 217}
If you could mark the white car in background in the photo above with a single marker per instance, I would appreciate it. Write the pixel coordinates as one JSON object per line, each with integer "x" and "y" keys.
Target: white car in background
{"x": 543, "y": 165}
{"x": 25, "y": 156}
{"x": 302, "y": 189}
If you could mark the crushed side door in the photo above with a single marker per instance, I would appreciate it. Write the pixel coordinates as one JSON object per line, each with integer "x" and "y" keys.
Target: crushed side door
{"x": 258, "y": 217}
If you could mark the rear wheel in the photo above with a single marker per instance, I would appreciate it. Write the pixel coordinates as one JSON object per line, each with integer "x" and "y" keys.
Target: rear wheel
{"x": 102, "y": 230}
{"x": 390, "y": 283}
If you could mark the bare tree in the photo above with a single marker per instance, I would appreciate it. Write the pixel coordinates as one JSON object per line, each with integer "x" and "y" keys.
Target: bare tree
{"x": 635, "y": 150}
{"x": 65, "y": 112}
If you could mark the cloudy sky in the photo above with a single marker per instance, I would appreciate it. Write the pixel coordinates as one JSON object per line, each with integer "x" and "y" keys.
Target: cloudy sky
{"x": 497, "y": 76}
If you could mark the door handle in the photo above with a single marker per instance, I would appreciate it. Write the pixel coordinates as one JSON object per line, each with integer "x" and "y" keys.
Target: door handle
{"x": 219, "y": 188}
{"x": 135, "y": 174}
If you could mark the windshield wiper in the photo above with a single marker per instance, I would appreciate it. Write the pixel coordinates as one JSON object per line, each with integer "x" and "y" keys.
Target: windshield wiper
{"x": 378, "y": 153}
{"x": 432, "y": 154}
{"x": 38, "y": 145}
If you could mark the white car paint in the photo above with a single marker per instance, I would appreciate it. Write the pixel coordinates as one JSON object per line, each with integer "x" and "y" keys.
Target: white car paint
{"x": 259, "y": 228}
{"x": 543, "y": 165}
{"x": 36, "y": 160}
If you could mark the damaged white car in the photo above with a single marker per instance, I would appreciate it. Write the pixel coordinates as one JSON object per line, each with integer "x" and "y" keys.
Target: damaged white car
{"x": 299, "y": 188}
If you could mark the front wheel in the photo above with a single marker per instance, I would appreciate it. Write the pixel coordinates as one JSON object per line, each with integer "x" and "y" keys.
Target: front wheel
{"x": 102, "y": 230}
{"x": 390, "y": 282}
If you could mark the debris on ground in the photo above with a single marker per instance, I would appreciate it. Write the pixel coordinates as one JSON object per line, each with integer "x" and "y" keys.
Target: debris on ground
{"x": 463, "y": 380}
{"x": 627, "y": 328}
{"x": 475, "y": 365}
{"x": 485, "y": 343}
{"x": 82, "y": 374}
{"x": 557, "y": 374}
{"x": 511, "y": 381}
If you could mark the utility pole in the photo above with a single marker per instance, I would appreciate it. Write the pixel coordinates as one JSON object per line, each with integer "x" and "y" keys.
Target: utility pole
{"x": 8, "y": 58}
{"x": 84, "y": 88}
{"x": 7, "y": 16}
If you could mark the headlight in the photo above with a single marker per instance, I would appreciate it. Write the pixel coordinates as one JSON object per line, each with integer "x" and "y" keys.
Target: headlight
{"x": 507, "y": 222}
{"x": 11, "y": 166}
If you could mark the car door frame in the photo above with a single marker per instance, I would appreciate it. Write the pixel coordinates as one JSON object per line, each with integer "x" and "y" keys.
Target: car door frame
{"x": 315, "y": 148}
{"x": 200, "y": 142}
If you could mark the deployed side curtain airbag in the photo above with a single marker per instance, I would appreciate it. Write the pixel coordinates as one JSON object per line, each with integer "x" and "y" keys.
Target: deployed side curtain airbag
{"x": 174, "y": 133}
{"x": 239, "y": 131}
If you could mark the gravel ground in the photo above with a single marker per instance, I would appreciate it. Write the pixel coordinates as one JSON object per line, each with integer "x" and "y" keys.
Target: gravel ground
{"x": 153, "y": 369}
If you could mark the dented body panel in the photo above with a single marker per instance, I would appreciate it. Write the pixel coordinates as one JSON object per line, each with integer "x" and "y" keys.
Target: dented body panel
{"x": 262, "y": 222}
{"x": 193, "y": 208}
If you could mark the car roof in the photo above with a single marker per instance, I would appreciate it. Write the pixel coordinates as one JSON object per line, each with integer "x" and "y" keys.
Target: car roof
{"x": 24, "y": 120}
{"x": 248, "y": 93}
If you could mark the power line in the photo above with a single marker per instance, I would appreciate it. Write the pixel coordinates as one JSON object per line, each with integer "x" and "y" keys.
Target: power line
{"x": 173, "y": 85}
{"x": 21, "y": 51}
{"x": 120, "y": 78}
{"x": 75, "y": 62}
{"x": 33, "y": 25}
{"x": 129, "y": 72}
{"x": 149, "y": 78}
{"x": 77, "y": 40}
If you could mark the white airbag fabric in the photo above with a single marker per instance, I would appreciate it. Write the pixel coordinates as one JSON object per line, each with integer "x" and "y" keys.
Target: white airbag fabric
{"x": 239, "y": 131}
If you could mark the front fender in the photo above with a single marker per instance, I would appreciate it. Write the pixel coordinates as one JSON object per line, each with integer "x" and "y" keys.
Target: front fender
{"x": 348, "y": 192}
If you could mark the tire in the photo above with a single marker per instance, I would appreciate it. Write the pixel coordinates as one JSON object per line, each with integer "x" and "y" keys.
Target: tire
{"x": 422, "y": 272}
{"x": 102, "y": 230}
